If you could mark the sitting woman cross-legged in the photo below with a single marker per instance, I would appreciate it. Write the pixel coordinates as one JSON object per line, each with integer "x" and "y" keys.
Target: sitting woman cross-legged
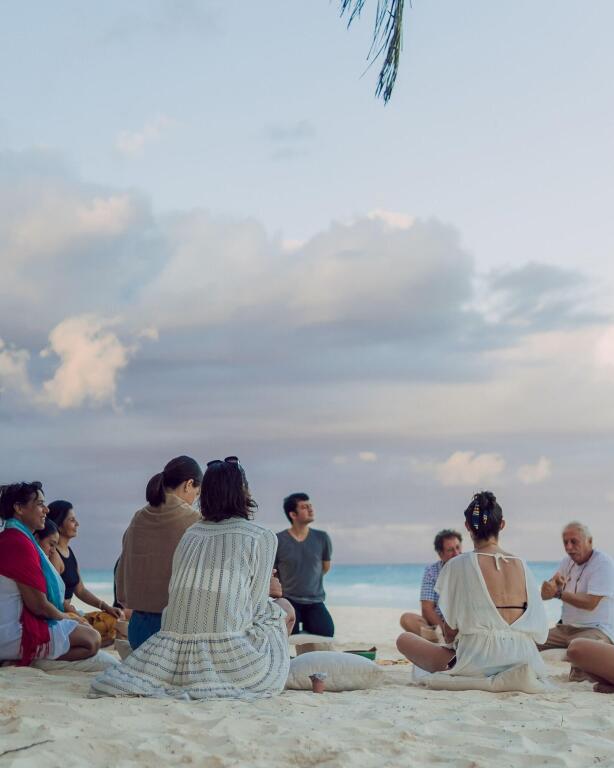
{"x": 222, "y": 636}
{"x": 143, "y": 570}
{"x": 63, "y": 515}
{"x": 33, "y": 624}
{"x": 491, "y": 604}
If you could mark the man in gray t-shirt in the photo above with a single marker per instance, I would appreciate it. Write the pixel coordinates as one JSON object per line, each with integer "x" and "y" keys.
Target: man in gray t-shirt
{"x": 303, "y": 557}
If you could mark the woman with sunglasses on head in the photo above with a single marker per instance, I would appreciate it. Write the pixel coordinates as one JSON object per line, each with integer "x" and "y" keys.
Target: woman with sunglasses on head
{"x": 143, "y": 571}
{"x": 33, "y": 624}
{"x": 222, "y": 636}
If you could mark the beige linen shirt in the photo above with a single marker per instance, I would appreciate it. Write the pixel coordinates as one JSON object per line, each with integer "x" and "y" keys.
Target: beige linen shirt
{"x": 144, "y": 568}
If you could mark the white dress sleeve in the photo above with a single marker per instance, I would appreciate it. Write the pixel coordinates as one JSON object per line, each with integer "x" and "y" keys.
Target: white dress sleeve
{"x": 446, "y": 589}
{"x": 538, "y": 620}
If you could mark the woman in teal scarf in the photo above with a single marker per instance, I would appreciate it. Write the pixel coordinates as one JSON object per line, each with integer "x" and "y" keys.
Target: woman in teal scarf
{"x": 32, "y": 621}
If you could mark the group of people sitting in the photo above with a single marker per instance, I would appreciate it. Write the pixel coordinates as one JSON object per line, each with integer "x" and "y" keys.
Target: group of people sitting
{"x": 39, "y": 576}
{"x": 209, "y": 617}
{"x": 482, "y": 612}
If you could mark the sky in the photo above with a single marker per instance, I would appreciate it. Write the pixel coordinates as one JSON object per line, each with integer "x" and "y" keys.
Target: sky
{"x": 215, "y": 240}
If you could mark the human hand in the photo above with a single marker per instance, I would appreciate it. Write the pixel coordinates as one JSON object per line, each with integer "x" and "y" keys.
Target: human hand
{"x": 115, "y": 612}
{"x": 275, "y": 588}
{"x": 549, "y": 589}
{"x": 559, "y": 580}
{"x": 74, "y": 616}
{"x": 449, "y": 634}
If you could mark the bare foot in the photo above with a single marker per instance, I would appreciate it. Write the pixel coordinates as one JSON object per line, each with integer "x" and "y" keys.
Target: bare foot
{"x": 603, "y": 688}
{"x": 577, "y": 675}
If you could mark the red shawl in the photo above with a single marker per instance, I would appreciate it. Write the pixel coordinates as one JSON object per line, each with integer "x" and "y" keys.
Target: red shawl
{"x": 20, "y": 561}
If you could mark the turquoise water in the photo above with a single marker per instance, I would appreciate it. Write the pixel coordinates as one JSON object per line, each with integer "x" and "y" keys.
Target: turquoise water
{"x": 391, "y": 586}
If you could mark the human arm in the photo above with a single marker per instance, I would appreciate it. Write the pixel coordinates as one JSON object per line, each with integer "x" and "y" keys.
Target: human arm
{"x": 36, "y": 602}
{"x": 327, "y": 553}
{"x": 275, "y": 588}
{"x": 582, "y": 600}
{"x": 430, "y": 615}
{"x": 90, "y": 598}
{"x": 448, "y": 633}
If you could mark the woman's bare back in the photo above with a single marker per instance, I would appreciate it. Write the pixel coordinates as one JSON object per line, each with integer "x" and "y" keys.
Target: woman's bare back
{"x": 506, "y": 583}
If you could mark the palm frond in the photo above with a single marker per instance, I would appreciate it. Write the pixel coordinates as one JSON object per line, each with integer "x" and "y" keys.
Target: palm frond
{"x": 387, "y": 39}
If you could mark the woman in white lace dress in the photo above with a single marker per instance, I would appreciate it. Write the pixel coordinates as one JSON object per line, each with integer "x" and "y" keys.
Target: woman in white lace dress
{"x": 222, "y": 636}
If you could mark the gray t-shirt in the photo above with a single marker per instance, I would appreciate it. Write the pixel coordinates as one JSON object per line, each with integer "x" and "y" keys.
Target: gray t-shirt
{"x": 299, "y": 565}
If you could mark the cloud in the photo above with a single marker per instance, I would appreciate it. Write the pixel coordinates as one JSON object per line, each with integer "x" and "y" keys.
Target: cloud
{"x": 367, "y": 456}
{"x": 91, "y": 357}
{"x": 288, "y": 140}
{"x": 383, "y": 542}
{"x": 393, "y": 219}
{"x": 539, "y": 297}
{"x": 133, "y": 143}
{"x": 463, "y": 468}
{"x": 14, "y": 370}
{"x": 291, "y": 132}
{"x": 529, "y": 474}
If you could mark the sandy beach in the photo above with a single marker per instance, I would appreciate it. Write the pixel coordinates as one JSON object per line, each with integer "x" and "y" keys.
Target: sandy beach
{"x": 395, "y": 724}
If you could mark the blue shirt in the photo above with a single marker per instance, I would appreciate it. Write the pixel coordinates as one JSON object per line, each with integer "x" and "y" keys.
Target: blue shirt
{"x": 429, "y": 579}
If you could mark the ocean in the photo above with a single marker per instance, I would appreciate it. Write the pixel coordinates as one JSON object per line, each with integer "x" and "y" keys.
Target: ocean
{"x": 391, "y": 586}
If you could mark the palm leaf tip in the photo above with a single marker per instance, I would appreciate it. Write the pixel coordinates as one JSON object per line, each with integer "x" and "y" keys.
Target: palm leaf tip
{"x": 387, "y": 39}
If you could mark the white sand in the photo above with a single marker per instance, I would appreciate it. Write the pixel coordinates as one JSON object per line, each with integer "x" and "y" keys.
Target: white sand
{"x": 396, "y": 725}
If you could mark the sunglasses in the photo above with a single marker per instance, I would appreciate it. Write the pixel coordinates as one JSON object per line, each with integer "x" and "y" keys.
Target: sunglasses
{"x": 228, "y": 460}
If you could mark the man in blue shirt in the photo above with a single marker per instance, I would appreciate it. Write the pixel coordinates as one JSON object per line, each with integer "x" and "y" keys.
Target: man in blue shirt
{"x": 447, "y": 544}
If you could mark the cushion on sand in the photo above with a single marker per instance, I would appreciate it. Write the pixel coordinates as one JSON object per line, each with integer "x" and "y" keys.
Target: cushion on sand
{"x": 519, "y": 678}
{"x": 97, "y": 663}
{"x": 345, "y": 671}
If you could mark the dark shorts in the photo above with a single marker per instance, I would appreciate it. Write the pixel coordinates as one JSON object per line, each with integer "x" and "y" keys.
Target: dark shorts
{"x": 313, "y": 618}
{"x": 142, "y": 626}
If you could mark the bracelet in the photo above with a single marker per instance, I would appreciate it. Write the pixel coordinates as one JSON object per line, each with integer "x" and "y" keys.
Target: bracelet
{"x": 559, "y": 593}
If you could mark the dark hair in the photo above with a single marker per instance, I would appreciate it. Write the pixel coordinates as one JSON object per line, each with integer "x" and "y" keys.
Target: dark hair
{"x": 58, "y": 511}
{"x": 484, "y": 515}
{"x": 17, "y": 493}
{"x": 178, "y": 470}
{"x": 224, "y": 493}
{"x": 447, "y": 533}
{"x": 49, "y": 529}
{"x": 291, "y": 503}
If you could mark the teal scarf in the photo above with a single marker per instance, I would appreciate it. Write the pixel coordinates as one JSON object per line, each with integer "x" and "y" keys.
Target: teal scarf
{"x": 55, "y": 594}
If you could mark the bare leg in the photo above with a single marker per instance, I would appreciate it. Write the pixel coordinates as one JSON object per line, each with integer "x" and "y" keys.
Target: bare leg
{"x": 412, "y": 622}
{"x": 290, "y": 614}
{"x": 84, "y": 643}
{"x": 424, "y": 654}
{"x": 596, "y": 659}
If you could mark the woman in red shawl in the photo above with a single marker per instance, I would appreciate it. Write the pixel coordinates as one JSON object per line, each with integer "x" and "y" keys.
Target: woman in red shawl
{"x": 32, "y": 621}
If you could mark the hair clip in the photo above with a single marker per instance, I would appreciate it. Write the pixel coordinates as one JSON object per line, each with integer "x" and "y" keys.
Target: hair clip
{"x": 475, "y": 515}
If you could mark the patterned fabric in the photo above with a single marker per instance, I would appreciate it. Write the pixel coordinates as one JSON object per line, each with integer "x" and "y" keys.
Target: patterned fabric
{"x": 221, "y": 636}
{"x": 427, "y": 589}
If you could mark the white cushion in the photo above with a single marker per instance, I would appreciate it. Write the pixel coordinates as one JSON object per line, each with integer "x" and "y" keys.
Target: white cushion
{"x": 345, "y": 671}
{"x": 519, "y": 678}
{"x": 97, "y": 663}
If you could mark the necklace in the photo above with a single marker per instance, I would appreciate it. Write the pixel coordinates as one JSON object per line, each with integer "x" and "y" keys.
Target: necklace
{"x": 579, "y": 576}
